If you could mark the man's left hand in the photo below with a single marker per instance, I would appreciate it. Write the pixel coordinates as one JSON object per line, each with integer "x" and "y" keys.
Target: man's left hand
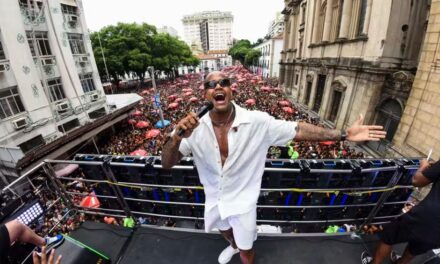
{"x": 359, "y": 132}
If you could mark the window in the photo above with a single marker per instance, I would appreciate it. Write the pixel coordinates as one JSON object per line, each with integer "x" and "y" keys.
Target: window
{"x": 66, "y": 127}
{"x": 76, "y": 43}
{"x": 361, "y": 21}
{"x": 308, "y": 92}
{"x": 319, "y": 92}
{"x": 32, "y": 143}
{"x": 337, "y": 96}
{"x": 42, "y": 41}
{"x": 31, "y": 11}
{"x": 296, "y": 78}
{"x": 56, "y": 91}
{"x": 87, "y": 82}
{"x": 68, "y": 9}
{"x": 2, "y": 52}
{"x": 10, "y": 103}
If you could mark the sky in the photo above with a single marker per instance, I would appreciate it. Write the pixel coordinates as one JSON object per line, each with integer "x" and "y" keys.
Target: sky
{"x": 251, "y": 17}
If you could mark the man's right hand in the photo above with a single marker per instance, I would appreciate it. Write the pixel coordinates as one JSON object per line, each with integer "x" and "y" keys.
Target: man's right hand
{"x": 188, "y": 124}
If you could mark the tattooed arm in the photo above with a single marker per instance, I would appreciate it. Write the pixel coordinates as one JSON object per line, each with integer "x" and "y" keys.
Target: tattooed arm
{"x": 170, "y": 153}
{"x": 310, "y": 132}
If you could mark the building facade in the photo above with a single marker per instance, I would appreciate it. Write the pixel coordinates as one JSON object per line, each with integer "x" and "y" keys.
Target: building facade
{"x": 268, "y": 65}
{"x": 168, "y": 30}
{"x": 276, "y": 27}
{"x": 345, "y": 58}
{"x": 49, "y": 82}
{"x": 209, "y": 30}
{"x": 419, "y": 128}
{"x": 214, "y": 60}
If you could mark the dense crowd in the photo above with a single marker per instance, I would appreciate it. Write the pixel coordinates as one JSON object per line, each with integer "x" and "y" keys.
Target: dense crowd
{"x": 185, "y": 94}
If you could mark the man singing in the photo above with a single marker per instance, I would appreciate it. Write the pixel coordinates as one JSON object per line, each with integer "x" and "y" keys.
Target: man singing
{"x": 229, "y": 146}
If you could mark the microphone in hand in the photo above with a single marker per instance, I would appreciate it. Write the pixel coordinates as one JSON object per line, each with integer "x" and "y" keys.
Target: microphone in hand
{"x": 202, "y": 111}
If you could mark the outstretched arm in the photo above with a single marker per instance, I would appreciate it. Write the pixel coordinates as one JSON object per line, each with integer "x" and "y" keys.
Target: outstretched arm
{"x": 357, "y": 132}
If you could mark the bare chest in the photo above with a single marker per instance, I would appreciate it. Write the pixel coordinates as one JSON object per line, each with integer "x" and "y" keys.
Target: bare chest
{"x": 221, "y": 134}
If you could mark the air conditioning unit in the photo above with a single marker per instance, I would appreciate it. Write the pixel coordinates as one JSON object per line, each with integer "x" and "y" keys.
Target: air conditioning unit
{"x": 3, "y": 66}
{"x": 84, "y": 59}
{"x": 20, "y": 123}
{"x": 94, "y": 97}
{"x": 47, "y": 62}
{"x": 72, "y": 19}
{"x": 61, "y": 107}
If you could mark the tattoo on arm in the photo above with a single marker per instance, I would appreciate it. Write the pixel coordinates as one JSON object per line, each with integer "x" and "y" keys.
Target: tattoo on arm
{"x": 170, "y": 153}
{"x": 310, "y": 132}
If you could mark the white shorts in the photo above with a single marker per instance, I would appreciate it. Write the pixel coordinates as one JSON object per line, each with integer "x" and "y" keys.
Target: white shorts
{"x": 244, "y": 226}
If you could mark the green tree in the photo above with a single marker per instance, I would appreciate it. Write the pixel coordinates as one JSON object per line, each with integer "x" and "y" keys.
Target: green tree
{"x": 251, "y": 56}
{"x": 131, "y": 48}
{"x": 239, "y": 50}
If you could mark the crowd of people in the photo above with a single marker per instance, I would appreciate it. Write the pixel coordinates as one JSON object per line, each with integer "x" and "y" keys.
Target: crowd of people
{"x": 179, "y": 97}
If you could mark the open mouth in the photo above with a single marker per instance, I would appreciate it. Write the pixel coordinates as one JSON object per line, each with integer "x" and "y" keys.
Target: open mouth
{"x": 219, "y": 97}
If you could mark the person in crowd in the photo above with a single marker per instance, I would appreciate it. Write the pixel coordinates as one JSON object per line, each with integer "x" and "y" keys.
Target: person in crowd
{"x": 14, "y": 231}
{"x": 229, "y": 146}
{"x": 419, "y": 227}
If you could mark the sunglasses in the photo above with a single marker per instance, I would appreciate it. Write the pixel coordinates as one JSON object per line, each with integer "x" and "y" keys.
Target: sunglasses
{"x": 212, "y": 84}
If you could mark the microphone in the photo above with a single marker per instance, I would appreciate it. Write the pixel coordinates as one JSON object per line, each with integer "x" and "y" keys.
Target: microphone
{"x": 202, "y": 111}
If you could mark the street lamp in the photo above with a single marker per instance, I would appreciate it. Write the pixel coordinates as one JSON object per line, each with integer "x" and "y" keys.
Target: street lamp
{"x": 156, "y": 94}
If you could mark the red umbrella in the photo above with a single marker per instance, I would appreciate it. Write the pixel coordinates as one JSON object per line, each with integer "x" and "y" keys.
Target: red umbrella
{"x": 172, "y": 97}
{"x": 288, "y": 110}
{"x": 178, "y": 100}
{"x": 284, "y": 103}
{"x": 250, "y": 102}
{"x": 266, "y": 89}
{"x": 173, "y": 105}
{"x": 188, "y": 93}
{"x": 132, "y": 121}
{"x": 152, "y": 133}
{"x": 90, "y": 201}
{"x": 193, "y": 99}
{"x": 234, "y": 89}
{"x": 327, "y": 143}
{"x": 142, "y": 124}
{"x": 139, "y": 152}
{"x": 202, "y": 87}
{"x": 137, "y": 113}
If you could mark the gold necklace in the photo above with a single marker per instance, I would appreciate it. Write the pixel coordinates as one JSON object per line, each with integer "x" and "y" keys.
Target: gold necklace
{"x": 226, "y": 121}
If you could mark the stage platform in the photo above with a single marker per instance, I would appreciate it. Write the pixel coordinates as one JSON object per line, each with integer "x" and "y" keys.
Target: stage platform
{"x": 160, "y": 245}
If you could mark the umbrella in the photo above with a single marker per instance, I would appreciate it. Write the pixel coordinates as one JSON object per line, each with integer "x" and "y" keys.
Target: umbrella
{"x": 173, "y": 105}
{"x": 266, "y": 89}
{"x": 152, "y": 133}
{"x": 250, "y": 102}
{"x": 327, "y": 143}
{"x": 142, "y": 124}
{"x": 288, "y": 110}
{"x": 179, "y": 100}
{"x": 234, "y": 89}
{"x": 132, "y": 121}
{"x": 165, "y": 123}
{"x": 202, "y": 87}
{"x": 90, "y": 201}
{"x": 188, "y": 93}
{"x": 234, "y": 85}
{"x": 193, "y": 99}
{"x": 187, "y": 90}
{"x": 284, "y": 103}
{"x": 137, "y": 113}
{"x": 172, "y": 97}
{"x": 139, "y": 152}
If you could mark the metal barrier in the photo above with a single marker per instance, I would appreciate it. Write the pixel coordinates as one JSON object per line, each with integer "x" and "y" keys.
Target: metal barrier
{"x": 302, "y": 195}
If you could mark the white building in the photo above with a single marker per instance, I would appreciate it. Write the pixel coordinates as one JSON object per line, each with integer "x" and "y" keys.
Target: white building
{"x": 268, "y": 63}
{"x": 169, "y": 30}
{"x": 276, "y": 26}
{"x": 214, "y": 60}
{"x": 209, "y": 30}
{"x": 49, "y": 82}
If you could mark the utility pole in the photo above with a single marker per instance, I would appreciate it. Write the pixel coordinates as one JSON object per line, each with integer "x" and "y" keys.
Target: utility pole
{"x": 105, "y": 63}
{"x": 156, "y": 95}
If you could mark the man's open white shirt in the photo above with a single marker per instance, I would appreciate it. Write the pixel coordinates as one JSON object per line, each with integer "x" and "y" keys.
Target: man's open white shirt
{"x": 235, "y": 187}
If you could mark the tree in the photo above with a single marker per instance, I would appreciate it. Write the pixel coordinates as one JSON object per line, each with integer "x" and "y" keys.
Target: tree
{"x": 251, "y": 56}
{"x": 130, "y": 48}
{"x": 239, "y": 50}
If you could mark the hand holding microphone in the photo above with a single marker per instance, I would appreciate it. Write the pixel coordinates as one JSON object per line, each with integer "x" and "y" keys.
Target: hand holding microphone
{"x": 186, "y": 126}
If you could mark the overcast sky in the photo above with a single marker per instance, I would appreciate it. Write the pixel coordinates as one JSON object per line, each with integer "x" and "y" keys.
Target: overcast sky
{"x": 251, "y": 17}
